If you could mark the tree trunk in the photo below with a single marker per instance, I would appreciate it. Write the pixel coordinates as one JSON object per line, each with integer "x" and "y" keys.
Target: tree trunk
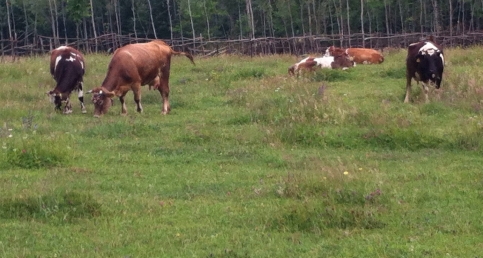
{"x": 291, "y": 18}
{"x": 421, "y": 16}
{"x": 348, "y": 22}
{"x": 207, "y": 20}
{"x": 64, "y": 21}
{"x": 170, "y": 19}
{"x": 250, "y": 18}
{"x": 152, "y": 20}
{"x": 134, "y": 20}
{"x": 362, "y": 23}
{"x": 240, "y": 20}
{"x": 93, "y": 25}
{"x": 52, "y": 20}
{"x": 86, "y": 36}
{"x": 437, "y": 26}
{"x": 450, "y": 23}
{"x": 8, "y": 20}
{"x": 57, "y": 38}
{"x": 302, "y": 16}
{"x": 27, "y": 22}
{"x": 192, "y": 24}
{"x": 387, "y": 22}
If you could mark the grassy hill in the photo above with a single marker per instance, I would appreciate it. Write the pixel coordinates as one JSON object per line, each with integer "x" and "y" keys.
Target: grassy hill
{"x": 249, "y": 163}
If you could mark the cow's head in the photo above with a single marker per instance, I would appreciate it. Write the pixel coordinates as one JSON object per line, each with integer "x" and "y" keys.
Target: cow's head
{"x": 329, "y": 51}
{"x": 291, "y": 70}
{"x": 343, "y": 61}
{"x": 431, "y": 61}
{"x": 102, "y": 100}
{"x": 56, "y": 98}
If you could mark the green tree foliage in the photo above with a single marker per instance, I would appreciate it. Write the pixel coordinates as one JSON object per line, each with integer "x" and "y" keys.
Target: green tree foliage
{"x": 230, "y": 19}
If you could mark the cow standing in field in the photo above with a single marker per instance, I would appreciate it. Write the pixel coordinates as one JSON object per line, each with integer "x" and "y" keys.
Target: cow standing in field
{"x": 359, "y": 55}
{"x": 131, "y": 67}
{"x": 424, "y": 63}
{"x": 309, "y": 64}
{"x": 67, "y": 66}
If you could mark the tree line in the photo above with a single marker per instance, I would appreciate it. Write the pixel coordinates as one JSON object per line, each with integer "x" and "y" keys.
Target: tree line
{"x": 63, "y": 21}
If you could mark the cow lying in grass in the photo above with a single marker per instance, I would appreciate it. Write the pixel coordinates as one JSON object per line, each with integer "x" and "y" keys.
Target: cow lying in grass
{"x": 67, "y": 66}
{"x": 309, "y": 64}
{"x": 131, "y": 67}
{"x": 359, "y": 55}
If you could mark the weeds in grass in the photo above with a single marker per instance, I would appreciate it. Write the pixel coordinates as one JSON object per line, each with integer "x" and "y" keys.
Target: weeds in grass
{"x": 24, "y": 148}
{"x": 60, "y": 206}
{"x": 327, "y": 203}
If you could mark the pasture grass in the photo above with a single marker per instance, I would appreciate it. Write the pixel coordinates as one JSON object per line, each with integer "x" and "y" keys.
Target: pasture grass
{"x": 249, "y": 163}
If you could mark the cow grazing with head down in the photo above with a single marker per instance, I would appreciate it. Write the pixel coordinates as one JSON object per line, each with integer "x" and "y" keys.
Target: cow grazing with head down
{"x": 131, "y": 67}
{"x": 359, "y": 55}
{"x": 67, "y": 66}
{"x": 424, "y": 63}
{"x": 330, "y": 62}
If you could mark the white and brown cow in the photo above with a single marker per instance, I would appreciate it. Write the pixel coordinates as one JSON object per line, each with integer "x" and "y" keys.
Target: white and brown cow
{"x": 331, "y": 62}
{"x": 425, "y": 64}
{"x": 67, "y": 66}
{"x": 131, "y": 67}
{"x": 359, "y": 55}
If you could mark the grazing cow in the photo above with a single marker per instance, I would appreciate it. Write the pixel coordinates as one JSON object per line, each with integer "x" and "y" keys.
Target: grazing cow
{"x": 359, "y": 55}
{"x": 67, "y": 66}
{"x": 424, "y": 63}
{"x": 310, "y": 63}
{"x": 131, "y": 67}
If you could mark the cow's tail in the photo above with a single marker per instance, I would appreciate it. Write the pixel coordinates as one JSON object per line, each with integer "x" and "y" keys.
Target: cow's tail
{"x": 188, "y": 55}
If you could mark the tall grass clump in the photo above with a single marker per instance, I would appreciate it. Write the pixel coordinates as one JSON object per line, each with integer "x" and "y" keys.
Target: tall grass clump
{"x": 329, "y": 201}
{"x": 24, "y": 147}
{"x": 55, "y": 207}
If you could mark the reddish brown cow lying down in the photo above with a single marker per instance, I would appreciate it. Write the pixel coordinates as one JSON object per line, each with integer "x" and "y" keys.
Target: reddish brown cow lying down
{"x": 131, "y": 67}
{"x": 359, "y": 55}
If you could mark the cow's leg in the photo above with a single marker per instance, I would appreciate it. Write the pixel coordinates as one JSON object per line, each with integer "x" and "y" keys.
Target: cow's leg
{"x": 164, "y": 90}
{"x": 123, "y": 104}
{"x": 137, "y": 97}
{"x": 58, "y": 105}
{"x": 80, "y": 95}
{"x": 68, "y": 106}
{"x": 408, "y": 88}
{"x": 425, "y": 90}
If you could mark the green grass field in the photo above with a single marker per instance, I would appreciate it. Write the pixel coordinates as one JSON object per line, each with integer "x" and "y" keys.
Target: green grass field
{"x": 249, "y": 163}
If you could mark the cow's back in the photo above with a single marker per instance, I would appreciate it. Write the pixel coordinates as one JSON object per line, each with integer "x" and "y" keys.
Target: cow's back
{"x": 138, "y": 62}
{"x": 67, "y": 66}
{"x": 365, "y": 55}
{"x": 64, "y": 51}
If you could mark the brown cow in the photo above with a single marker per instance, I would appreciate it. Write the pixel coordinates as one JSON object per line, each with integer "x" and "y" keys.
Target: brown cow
{"x": 305, "y": 65}
{"x": 131, "y": 67}
{"x": 359, "y": 55}
{"x": 67, "y": 66}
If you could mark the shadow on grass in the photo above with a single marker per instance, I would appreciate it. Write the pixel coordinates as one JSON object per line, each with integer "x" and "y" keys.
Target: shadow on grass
{"x": 327, "y": 203}
{"x": 54, "y": 207}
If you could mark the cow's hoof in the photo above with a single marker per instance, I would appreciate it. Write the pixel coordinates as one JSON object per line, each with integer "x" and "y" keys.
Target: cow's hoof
{"x": 97, "y": 116}
{"x": 84, "y": 111}
{"x": 66, "y": 112}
